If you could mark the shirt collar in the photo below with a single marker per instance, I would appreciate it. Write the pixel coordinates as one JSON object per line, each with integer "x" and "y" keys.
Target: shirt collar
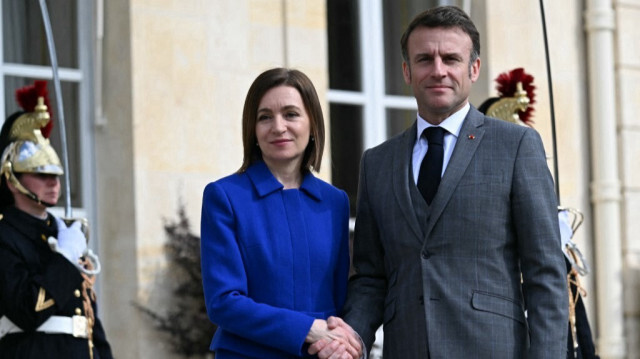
{"x": 265, "y": 183}
{"x": 452, "y": 123}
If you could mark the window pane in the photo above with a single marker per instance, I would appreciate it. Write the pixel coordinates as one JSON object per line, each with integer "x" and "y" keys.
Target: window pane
{"x": 397, "y": 16}
{"x": 346, "y": 149}
{"x": 70, "y": 101}
{"x": 24, "y": 36}
{"x": 399, "y": 120}
{"x": 344, "y": 45}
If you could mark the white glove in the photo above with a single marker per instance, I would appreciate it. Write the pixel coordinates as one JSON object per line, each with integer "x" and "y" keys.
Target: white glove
{"x": 565, "y": 228}
{"x": 72, "y": 243}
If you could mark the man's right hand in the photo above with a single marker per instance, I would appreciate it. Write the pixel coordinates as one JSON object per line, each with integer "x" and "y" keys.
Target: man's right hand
{"x": 345, "y": 344}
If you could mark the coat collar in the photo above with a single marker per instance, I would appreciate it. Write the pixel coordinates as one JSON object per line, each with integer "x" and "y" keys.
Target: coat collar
{"x": 28, "y": 225}
{"x": 265, "y": 183}
{"x": 402, "y": 176}
{"x": 469, "y": 138}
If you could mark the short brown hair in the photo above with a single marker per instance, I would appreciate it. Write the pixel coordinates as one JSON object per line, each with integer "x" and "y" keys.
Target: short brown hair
{"x": 266, "y": 81}
{"x": 447, "y": 17}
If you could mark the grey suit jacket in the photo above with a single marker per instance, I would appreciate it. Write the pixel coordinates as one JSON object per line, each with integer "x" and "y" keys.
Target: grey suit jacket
{"x": 458, "y": 286}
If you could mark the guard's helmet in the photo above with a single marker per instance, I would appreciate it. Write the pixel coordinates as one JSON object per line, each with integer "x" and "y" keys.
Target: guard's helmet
{"x": 516, "y": 96}
{"x": 24, "y": 142}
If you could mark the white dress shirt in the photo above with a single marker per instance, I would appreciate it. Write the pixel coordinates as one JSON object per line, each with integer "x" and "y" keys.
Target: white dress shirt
{"x": 452, "y": 124}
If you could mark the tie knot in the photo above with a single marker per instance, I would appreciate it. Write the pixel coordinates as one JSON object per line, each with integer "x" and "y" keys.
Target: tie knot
{"x": 435, "y": 135}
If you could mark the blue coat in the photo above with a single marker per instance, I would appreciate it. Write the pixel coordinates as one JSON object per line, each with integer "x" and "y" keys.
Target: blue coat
{"x": 273, "y": 260}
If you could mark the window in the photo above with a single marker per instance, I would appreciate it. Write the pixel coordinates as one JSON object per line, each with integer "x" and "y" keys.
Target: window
{"x": 368, "y": 99}
{"x": 25, "y": 57}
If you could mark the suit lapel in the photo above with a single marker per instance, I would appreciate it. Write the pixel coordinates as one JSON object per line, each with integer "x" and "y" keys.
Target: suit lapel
{"x": 469, "y": 139}
{"x": 402, "y": 176}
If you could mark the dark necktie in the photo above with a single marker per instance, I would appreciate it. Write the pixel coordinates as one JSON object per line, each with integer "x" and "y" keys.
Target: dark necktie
{"x": 431, "y": 167}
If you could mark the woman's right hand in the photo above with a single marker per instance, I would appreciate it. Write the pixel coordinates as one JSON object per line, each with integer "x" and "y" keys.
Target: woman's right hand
{"x": 340, "y": 342}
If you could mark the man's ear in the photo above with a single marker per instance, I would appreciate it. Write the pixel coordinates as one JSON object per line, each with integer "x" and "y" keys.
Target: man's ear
{"x": 406, "y": 72}
{"x": 474, "y": 71}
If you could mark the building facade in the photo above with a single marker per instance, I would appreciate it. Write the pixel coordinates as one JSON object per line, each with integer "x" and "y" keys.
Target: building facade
{"x": 153, "y": 93}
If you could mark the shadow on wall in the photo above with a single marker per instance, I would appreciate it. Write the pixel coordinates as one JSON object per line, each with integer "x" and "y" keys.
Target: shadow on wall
{"x": 181, "y": 317}
{"x": 631, "y": 303}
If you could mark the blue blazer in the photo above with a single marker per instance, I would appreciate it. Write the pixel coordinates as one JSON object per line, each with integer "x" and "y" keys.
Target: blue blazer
{"x": 273, "y": 260}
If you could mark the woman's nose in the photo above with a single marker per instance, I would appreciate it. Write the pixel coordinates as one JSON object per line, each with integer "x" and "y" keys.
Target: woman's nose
{"x": 279, "y": 125}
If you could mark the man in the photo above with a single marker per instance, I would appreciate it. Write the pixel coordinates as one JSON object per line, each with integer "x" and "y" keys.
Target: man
{"x": 450, "y": 274}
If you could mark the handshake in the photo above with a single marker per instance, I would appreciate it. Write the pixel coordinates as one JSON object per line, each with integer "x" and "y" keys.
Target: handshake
{"x": 334, "y": 339}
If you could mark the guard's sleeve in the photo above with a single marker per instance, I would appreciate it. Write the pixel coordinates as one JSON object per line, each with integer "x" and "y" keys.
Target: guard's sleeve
{"x": 30, "y": 296}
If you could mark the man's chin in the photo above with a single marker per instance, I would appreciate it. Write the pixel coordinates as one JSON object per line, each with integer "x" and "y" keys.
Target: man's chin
{"x": 441, "y": 107}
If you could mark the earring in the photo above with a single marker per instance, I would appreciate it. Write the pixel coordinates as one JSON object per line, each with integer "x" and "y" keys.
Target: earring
{"x": 312, "y": 139}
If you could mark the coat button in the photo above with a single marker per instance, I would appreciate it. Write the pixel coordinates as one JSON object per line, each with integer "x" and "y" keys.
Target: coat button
{"x": 78, "y": 311}
{"x": 76, "y": 293}
{"x": 426, "y": 254}
{"x": 421, "y": 299}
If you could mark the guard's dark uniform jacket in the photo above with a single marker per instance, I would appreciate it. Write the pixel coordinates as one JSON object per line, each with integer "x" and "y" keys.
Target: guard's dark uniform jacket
{"x": 35, "y": 284}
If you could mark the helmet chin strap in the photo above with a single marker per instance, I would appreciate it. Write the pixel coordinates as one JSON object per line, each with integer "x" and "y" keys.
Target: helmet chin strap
{"x": 11, "y": 177}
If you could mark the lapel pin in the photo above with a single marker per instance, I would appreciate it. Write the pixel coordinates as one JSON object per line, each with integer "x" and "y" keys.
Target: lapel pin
{"x": 471, "y": 137}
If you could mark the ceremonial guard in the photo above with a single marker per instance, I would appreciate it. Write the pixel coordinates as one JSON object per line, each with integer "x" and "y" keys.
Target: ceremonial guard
{"x": 47, "y": 304}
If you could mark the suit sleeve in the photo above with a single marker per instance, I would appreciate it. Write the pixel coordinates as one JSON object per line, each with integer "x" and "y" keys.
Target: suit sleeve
{"x": 534, "y": 211}
{"x": 367, "y": 287}
{"x": 225, "y": 284}
{"x": 342, "y": 269}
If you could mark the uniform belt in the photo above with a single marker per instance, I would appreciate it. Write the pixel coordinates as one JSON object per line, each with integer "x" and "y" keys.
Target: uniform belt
{"x": 76, "y": 326}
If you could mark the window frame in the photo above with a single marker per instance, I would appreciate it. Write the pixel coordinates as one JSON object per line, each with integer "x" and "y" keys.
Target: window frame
{"x": 82, "y": 77}
{"x": 373, "y": 97}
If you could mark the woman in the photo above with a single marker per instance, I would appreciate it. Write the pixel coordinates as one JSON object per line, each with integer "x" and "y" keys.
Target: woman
{"x": 47, "y": 306}
{"x": 275, "y": 252}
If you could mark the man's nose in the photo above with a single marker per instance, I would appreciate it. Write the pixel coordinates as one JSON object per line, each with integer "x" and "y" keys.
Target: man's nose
{"x": 439, "y": 68}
